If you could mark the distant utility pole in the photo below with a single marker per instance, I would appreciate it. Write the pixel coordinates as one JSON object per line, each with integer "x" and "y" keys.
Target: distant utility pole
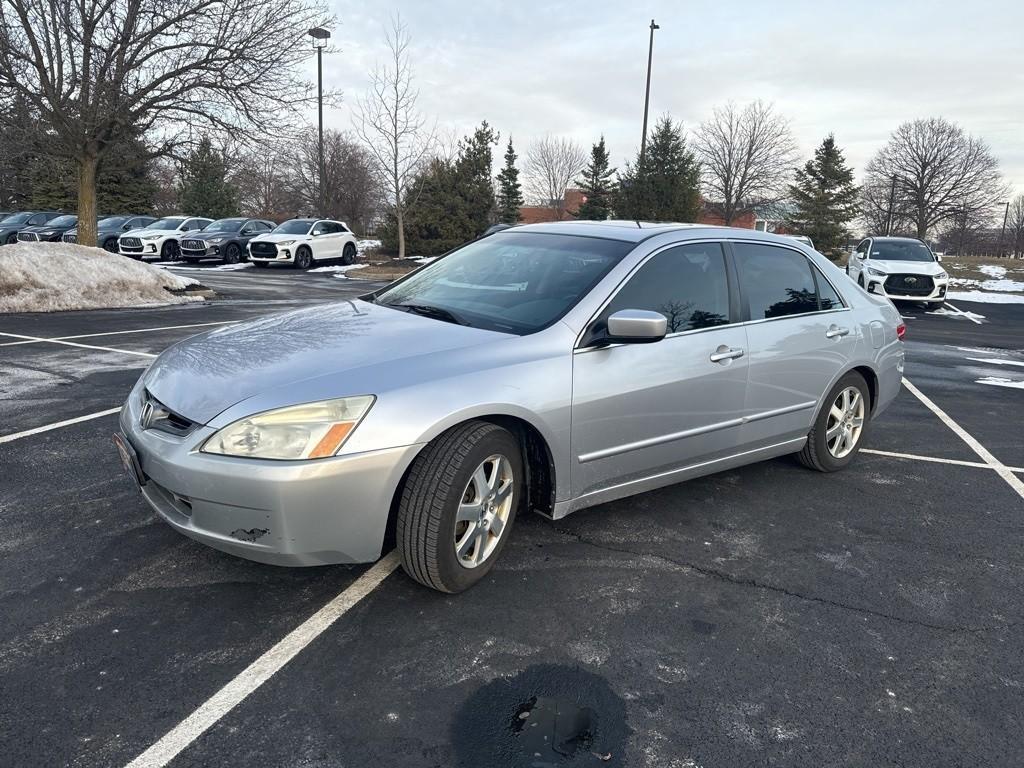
{"x": 647, "y": 94}
{"x": 320, "y": 37}
{"x": 1006, "y": 215}
{"x": 892, "y": 203}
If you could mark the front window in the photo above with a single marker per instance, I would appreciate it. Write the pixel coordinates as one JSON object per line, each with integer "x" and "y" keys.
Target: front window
{"x": 514, "y": 282}
{"x": 111, "y": 222}
{"x": 293, "y": 228}
{"x": 225, "y": 225}
{"x": 63, "y": 221}
{"x": 166, "y": 224}
{"x": 905, "y": 250}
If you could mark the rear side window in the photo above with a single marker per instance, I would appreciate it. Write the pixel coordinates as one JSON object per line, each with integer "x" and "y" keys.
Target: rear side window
{"x": 776, "y": 282}
{"x": 827, "y": 295}
{"x": 687, "y": 284}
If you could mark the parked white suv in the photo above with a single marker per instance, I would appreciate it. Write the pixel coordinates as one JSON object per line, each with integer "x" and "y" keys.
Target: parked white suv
{"x": 161, "y": 238}
{"x": 901, "y": 268}
{"x": 302, "y": 242}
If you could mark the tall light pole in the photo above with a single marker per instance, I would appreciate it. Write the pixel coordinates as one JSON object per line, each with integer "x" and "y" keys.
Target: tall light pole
{"x": 320, "y": 37}
{"x": 647, "y": 94}
{"x": 1006, "y": 215}
{"x": 892, "y": 203}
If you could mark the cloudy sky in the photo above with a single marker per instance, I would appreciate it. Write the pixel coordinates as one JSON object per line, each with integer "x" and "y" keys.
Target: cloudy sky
{"x": 855, "y": 69}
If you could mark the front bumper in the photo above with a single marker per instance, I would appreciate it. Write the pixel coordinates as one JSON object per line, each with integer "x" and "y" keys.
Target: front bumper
{"x": 278, "y": 512}
{"x": 284, "y": 255}
{"x": 936, "y": 295}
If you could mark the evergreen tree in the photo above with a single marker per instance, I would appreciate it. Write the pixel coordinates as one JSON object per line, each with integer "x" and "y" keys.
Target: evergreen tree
{"x": 666, "y": 185}
{"x": 825, "y": 197}
{"x": 474, "y": 171}
{"x": 205, "y": 189}
{"x": 510, "y": 192}
{"x": 598, "y": 185}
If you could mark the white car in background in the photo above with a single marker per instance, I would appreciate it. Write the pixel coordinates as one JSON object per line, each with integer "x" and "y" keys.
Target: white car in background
{"x": 160, "y": 239}
{"x": 803, "y": 239}
{"x": 900, "y": 268}
{"x": 302, "y": 242}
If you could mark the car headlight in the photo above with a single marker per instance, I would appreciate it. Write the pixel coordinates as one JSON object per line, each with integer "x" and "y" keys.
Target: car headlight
{"x": 285, "y": 242}
{"x": 310, "y": 431}
{"x": 49, "y": 233}
{"x": 876, "y": 272}
{"x": 214, "y": 239}
{"x": 942, "y": 276}
{"x": 150, "y": 237}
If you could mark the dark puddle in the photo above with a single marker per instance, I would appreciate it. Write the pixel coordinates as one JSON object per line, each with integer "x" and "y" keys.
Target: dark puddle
{"x": 547, "y": 716}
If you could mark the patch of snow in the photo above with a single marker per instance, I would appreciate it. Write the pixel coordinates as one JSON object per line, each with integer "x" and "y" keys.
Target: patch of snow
{"x": 999, "y": 381}
{"x": 996, "y": 361}
{"x": 956, "y": 313}
{"x": 53, "y": 277}
{"x": 425, "y": 259}
{"x": 992, "y": 271}
{"x": 362, "y": 246}
{"x": 340, "y": 268}
{"x": 987, "y": 298}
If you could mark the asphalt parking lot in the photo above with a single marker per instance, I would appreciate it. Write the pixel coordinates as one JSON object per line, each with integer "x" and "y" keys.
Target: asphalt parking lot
{"x": 764, "y": 616}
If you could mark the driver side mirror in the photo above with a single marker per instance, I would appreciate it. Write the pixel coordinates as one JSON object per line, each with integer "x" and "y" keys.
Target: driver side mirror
{"x": 861, "y": 256}
{"x": 635, "y": 326}
{"x": 938, "y": 257}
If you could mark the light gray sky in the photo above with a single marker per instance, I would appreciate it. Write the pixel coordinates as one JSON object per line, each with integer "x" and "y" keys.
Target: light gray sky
{"x": 856, "y": 69}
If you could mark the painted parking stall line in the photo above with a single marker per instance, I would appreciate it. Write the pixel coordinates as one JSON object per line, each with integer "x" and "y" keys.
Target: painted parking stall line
{"x": 934, "y": 459}
{"x": 57, "y": 425}
{"x": 261, "y": 670}
{"x": 76, "y": 344}
{"x": 1003, "y": 471}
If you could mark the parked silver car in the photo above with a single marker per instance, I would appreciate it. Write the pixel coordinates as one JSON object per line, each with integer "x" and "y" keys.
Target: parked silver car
{"x": 548, "y": 367}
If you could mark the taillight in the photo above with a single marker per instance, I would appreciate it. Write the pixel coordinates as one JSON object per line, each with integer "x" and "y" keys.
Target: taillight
{"x": 901, "y": 331}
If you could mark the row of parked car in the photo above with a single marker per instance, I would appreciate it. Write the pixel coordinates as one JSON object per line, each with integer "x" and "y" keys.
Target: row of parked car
{"x": 298, "y": 242}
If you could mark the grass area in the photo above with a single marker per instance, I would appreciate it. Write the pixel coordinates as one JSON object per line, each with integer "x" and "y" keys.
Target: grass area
{"x": 977, "y": 271}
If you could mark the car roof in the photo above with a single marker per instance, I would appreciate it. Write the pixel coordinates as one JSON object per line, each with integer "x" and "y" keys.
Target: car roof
{"x": 891, "y": 239}
{"x": 637, "y": 231}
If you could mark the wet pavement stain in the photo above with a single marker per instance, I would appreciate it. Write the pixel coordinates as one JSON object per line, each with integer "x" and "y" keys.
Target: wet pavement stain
{"x": 547, "y": 716}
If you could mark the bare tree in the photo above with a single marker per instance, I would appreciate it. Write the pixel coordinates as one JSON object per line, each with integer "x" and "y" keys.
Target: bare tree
{"x": 552, "y": 163}
{"x": 94, "y": 71}
{"x": 266, "y": 184}
{"x": 939, "y": 170}
{"x": 881, "y": 211}
{"x": 1015, "y": 226}
{"x": 388, "y": 121}
{"x": 747, "y": 156}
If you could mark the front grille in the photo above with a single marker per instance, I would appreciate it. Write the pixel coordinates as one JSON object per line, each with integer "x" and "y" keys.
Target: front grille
{"x": 28, "y": 237}
{"x": 909, "y": 285}
{"x": 193, "y": 245}
{"x": 155, "y": 415}
{"x": 70, "y": 238}
{"x": 263, "y": 250}
{"x": 130, "y": 244}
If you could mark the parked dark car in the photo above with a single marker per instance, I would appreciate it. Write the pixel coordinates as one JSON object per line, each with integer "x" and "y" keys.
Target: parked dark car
{"x": 10, "y": 226}
{"x": 109, "y": 228}
{"x": 224, "y": 239}
{"x": 50, "y": 232}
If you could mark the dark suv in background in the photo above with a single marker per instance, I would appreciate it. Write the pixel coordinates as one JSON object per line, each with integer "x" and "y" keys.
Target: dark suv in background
{"x": 10, "y": 226}
{"x": 109, "y": 228}
{"x": 50, "y": 232}
{"x": 224, "y": 239}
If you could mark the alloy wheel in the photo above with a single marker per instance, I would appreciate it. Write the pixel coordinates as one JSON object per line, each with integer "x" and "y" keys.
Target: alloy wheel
{"x": 845, "y": 423}
{"x": 483, "y": 511}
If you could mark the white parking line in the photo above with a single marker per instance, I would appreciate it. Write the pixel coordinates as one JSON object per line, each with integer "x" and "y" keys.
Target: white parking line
{"x": 146, "y": 330}
{"x": 935, "y": 459}
{"x": 261, "y": 670}
{"x": 968, "y": 315}
{"x": 75, "y": 344}
{"x": 57, "y": 425}
{"x": 1004, "y": 471}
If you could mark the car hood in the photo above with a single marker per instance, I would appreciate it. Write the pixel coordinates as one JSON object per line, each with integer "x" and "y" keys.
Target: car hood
{"x": 329, "y": 347}
{"x": 145, "y": 232}
{"x": 906, "y": 267}
{"x": 277, "y": 238}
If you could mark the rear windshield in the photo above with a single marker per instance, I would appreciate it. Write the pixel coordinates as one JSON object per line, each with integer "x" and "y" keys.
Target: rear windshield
{"x": 297, "y": 227}
{"x": 516, "y": 282}
{"x": 901, "y": 251}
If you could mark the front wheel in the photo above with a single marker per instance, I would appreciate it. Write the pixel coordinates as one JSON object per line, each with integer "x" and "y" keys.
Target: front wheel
{"x": 458, "y": 505}
{"x": 170, "y": 251}
{"x": 110, "y": 245}
{"x": 232, "y": 254}
{"x": 839, "y": 429}
{"x": 303, "y": 258}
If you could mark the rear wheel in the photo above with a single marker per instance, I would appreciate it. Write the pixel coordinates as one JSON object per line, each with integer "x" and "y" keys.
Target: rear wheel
{"x": 232, "y": 254}
{"x": 840, "y": 427}
{"x": 458, "y": 505}
{"x": 303, "y": 258}
{"x": 348, "y": 255}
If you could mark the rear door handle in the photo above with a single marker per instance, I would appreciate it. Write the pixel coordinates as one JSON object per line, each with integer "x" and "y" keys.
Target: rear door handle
{"x": 835, "y": 332}
{"x": 724, "y": 353}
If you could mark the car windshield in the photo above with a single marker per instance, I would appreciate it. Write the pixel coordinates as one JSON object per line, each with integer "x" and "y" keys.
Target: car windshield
{"x": 225, "y": 225}
{"x": 17, "y": 218}
{"x": 62, "y": 221}
{"x": 900, "y": 251}
{"x": 111, "y": 222}
{"x": 514, "y": 282}
{"x": 296, "y": 227}
{"x": 172, "y": 223}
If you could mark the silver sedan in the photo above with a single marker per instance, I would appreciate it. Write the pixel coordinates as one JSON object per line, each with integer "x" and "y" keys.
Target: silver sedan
{"x": 548, "y": 368}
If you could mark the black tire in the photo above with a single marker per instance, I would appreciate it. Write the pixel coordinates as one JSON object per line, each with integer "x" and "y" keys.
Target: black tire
{"x": 170, "y": 251}
{"x": 110, "y": 245}
{"x": 431, "y": 496}
{"x": 12, "y": 239}
{"x": 261, "y": 264}
{"x": 860, "y": 280}
{"x": 303, "y": 258}
{"x": 232, "y": 254}
{"x": 815, "y": 453}
{"x": 348, "y": 254}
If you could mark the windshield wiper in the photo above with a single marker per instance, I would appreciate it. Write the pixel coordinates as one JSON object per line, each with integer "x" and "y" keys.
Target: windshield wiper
{"x": 427, "y": 310}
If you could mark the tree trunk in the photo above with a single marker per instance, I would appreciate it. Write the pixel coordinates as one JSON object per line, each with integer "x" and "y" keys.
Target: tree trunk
{"x": 87, "y": 164}
{"x": 401, "y": 231}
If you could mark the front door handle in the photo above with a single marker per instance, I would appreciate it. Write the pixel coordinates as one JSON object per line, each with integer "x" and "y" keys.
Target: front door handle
{"x": 724, "y": 353}
{"x": 835, "y": 332}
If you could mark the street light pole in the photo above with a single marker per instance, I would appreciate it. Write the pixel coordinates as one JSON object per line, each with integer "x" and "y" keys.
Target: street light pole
{"x": 1006, "y": 215}
{"x": 320, "y": 37}
{"x": 892, "y": 203}
{"x": 647, "y": 94}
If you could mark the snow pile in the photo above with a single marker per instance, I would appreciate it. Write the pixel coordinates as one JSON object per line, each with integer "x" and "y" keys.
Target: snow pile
{"x": 364, "y": 247}
{"x": 51, "y": 277}
{"x": 992, "y": 271}
{"x": 340, "y": 268}
{"x": 988, "y": 298}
